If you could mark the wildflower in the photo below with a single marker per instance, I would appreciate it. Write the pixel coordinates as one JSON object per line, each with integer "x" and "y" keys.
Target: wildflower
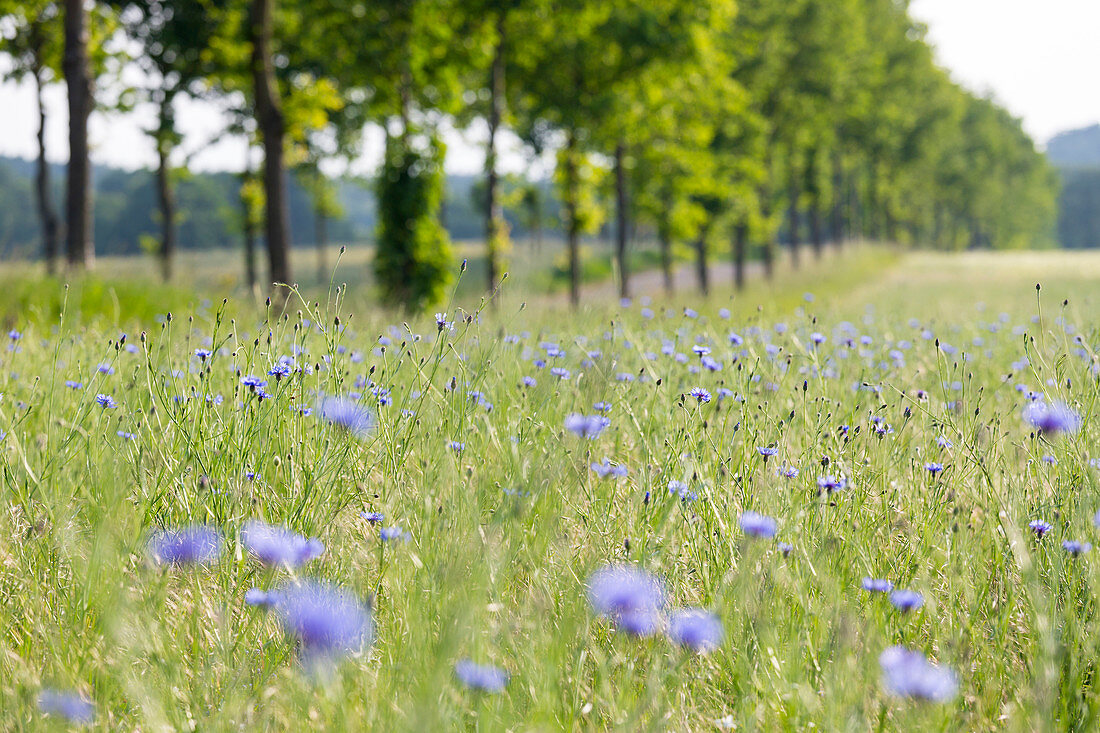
{"x": 605, "y": 469}
{"x": 253, "y": 382}
{"x": 1076, "y": 548}
{"x": 345, "y": 413}
{"x": 278, "y": 545}
{"x": 907, "y": 673}
{"x": 258, "y": 597}
{"x": 1055, "y": 417}
{"x": 68, "y": 705}
{"x": 785, "y": 548}
{"x": 933, "y": 468}
{"x": 456, "y": 446}
{"x": 14, "y": 335}
{"x": 1039, "y": 527}
{"x": 787, "y": 472}
{"x": 1096, "y": 519}
{"x": 735, "y": 339}
{"x": 391, "y": 534}
{"x": 876, "y": 585}
{"x": 628, "y": 596}
{"x": 484, "y": 677}
{"x": 203, "y": 354}
{"x": 373, "y": 517}
{"x": 757, "y": 525}
{"x": 680, "y": 489}
{"x": 185, "y": 546}
{"x": 700, "y": 394}
{"x": 106, "y": 401}
{"x": 586, "y": 426}
{"x": 560, "y": 372}
{"x": 279, "y": 371}
{"x": 767, "y": 452}
{"x": 943, "y": 442}
{"x": 325, "y": 619}
{"x": 832, "y": 483}
{"x": 125, "y": 435}
{"x": 442, "y": 324}
{"x": 73, "y": 384}
{"x": 697, "y": 629}
{"x": 105, "y": 368}
{"x": 602, "y": 407}
{"x": 906, "y": 600}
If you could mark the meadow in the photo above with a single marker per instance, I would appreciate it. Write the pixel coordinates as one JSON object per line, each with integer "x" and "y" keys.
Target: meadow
{"x": 495, "y": 519}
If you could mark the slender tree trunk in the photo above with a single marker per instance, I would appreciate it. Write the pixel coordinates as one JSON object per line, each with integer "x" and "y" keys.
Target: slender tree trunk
{"x": 272, "y": 127}
{"x": 494, "y": 215}
{"x": 702, "y": 271}
{"x": 740, "y": 242}
{"x": 78, "y": 78}
{"x": 621, "y": 220}
{"x": 248, "y": 225}
{"x": 572, "y": 224}
{"x": 46, "y": 210}
{"x": 320, "y": 241}
{"x": 837, "y": 215}
{"x": 166, "y": 199}
{"x": 792, "y": 218}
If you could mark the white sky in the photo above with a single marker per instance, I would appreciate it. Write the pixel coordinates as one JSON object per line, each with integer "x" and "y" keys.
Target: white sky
{"x": 1039, "y": 58}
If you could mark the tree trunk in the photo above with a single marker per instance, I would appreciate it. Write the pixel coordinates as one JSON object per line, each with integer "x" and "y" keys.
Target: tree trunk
{"x": 702, "y": 272}
{"x": 494, "y": 216}
{"x": 320, "y": 241}
{"x": 167, "y": 211}
{"x": 272, "y": 127}
{"x": 817, "y": 231}
{"x": 248, "y": 227}
{"x": 42, "y": 186}
{"x": 792, "y": 218}
{"x": 837, "y": 216}
{"x": 572, "y": 224}
{"x": 621, "y": 220}
{"x": 740, "y": 242}
{"x": 78, "y": 78}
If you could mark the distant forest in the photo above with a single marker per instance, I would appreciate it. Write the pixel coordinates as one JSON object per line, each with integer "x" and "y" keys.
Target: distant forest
{"x": 1077, "y": 155}
{"x": 210, "y": 210}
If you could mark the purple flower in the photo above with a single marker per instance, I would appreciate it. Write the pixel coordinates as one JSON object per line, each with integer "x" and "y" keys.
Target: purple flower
{"x": 628, "y": 596}
{"x": 906, "y": 600}
{"x": 767, "y": 452}
{"x": 832, "y": 483}
{"x": 700, "y": 394}
{"x": 373, "y": 517}
{"x": 1039, "y": 527}
{"x": 203, "y": 354}
{"x": 697, "y": 629}
{"x": 392, "y": 534}
{"x": 785, "y": 548}
{"x": 326, "y": 619}
{"x": 604, "y": 469}
{"x": 484, "y": 677}
{"x": 933, "y": 468}
{"x": 185, "y": 546}
{"x": 69, "y": 705}
{"x": 757, "y": 525}
{"x": 602, "y": 407}
{"x": 586, "y": 426}
{"x": 787, "y": 472}
{"x": 278, "y": 545}
{"x": 279, "y": 371}
{"x": 258, "y": 597}
{"x": 943, "y": 442}
{"x": 456, "y": 446}
{"x": 1076, "y": 547}
{"x": 876, "y": 585}
{"x": 1054, "y": 417}
{"x": 73, "y": 384}
{"x": 253, "y": 382}
{"x": 106, "y": 401}
{"x": 346, "y": 414}
{"x": 560, "y": 372}
{"x": 907, "y": 673}
{"x": 680, "y": 489}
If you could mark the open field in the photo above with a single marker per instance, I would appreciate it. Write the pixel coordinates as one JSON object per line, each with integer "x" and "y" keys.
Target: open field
{"x": 881, "y": 408}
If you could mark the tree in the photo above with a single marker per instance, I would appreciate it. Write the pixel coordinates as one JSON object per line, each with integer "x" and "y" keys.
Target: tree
{"x": 80, "y": 246}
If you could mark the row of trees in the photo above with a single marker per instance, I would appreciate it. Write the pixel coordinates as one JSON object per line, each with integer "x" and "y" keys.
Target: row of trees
{"x": 713, "y": 122}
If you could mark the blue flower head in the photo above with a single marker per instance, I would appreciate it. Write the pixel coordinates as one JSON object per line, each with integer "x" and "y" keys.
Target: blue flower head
{"x": 185, "y": 546}
{"x": 326, "y": 619}
{"x": 1054, "y": 417}
{"x": 483, "y": 677}
{"x": 906, "y": 600}
{"x": 697, "y": 629}
{"x": 907, "y": 673}
{"x": 1039, "y": 527}
{"x": 586, "y": 426}
{"x": 278, "y": 545}
{"x": 876, "y": 585}
{"x": 68, "y": 705}
{"x": 628, "y": 596}
{"x": 346, "y": 414}
{"x": 758, "y": 525}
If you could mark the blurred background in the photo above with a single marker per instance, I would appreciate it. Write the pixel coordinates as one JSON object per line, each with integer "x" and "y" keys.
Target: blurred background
{"x": 589, "y": 149}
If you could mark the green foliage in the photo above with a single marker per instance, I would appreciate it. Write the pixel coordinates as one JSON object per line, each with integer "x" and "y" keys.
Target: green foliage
{"x": 1079, "y": 208}
{"x": 414, "y": 263}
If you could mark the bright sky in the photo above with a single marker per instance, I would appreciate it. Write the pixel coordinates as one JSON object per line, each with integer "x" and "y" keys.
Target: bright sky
{"x": 1039, "y": 58}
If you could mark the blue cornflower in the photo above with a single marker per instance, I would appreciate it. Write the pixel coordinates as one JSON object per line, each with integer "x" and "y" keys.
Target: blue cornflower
{"x": 326, "y": 619}
{"x": 442, "y": 324}
{"x": 787, "y": 472}
{"x": 279, "y": 371}
{"x": 106, "y": 401}
{"x": 1039, "y": 527}
{"x": 1054, "y": 417}
{"x": 817, "y": 338}
{"x": 347, "y": 414}
{"x": 278, "y": 545}
{"x": 906, "y": 600}
{"x": 105, "y": 368}
{"x": 529, "y": 382}
{"x": 832, "y": 483}
{"x": 486, "y": 678}
{"x": 253, "y": 382}
{"x": 586, "y": 426}
{"x": 125, "y": 435}
{"x": 700, "y": 394}
{"x": 456, "y": 446}
{"x": 943, "y": 442}
{"x": 767, "y": 452}
{"x": 69, "y": 705}
{"x": 602, "y": 407}
{"x": 73, "y": 384}
{"x": 757, "y": 525}
{"x": 185, "y": 546}
{"x": 259, "y": 597}
{"x": 876, "y": 585}
{"x": 560, "y": 372}
{"x": 700, "y": 350}
{"x": 1096, "y": 519}
{"x": 604, "y": 469}
{"x": 785, "y": 548}
{"x": 1076, "y": 547}
{"x": 391, "y": 534}
{"x": 735, "y": 339}
{"x": 907, "y": 673}
{"x": 628, "y": 596}
{"x": 933, "y": 467}
{"x": 373, "y": 517}
{"x": 697, "y": 629}
{"x": 14, "y": 335}
{"x": 680, "y": 489}
{"x": 203, "y": 354}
